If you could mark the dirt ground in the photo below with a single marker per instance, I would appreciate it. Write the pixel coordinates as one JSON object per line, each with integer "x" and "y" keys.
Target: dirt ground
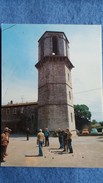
{"x": 88, "y": 152}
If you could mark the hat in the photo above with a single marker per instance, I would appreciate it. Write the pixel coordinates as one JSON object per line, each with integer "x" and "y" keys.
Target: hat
{"x": 40, "y": 130}
{"x": 6, "y": 129}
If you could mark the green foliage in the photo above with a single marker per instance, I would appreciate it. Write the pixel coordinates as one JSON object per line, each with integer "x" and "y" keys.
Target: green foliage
{"x": 82, "y": 116}
{"x": 94, "y": 122}
{"x": 101, "y": 123}
{"x": 95, "y": 125}
{"x": 82, "y": 111}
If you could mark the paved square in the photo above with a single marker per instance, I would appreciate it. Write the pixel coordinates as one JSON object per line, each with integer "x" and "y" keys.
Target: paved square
{"x": 88, "y": 152}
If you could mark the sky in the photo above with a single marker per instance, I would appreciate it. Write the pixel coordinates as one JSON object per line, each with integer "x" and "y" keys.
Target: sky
{"x": 20, "y": 54}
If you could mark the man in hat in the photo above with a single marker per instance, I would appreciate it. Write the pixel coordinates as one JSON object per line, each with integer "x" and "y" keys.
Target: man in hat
{"x": 40, "y": 141}
{"x": 7, "y": 133}
{"x": 4, "y": 142}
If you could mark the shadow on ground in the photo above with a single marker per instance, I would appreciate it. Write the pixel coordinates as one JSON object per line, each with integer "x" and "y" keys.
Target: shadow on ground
{"x": 30, "y": 155}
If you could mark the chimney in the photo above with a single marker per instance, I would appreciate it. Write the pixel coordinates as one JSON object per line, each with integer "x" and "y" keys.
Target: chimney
{"x": 11, "y": 102}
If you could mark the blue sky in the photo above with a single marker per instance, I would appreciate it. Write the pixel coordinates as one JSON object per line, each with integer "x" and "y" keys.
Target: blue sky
{"x": 20, "y": 54}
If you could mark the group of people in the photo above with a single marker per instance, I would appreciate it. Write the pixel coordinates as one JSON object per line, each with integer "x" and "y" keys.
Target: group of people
{"x": 64, "y": 136}
{"x": 65, "y": 140}
{"x": 4, "y": 143}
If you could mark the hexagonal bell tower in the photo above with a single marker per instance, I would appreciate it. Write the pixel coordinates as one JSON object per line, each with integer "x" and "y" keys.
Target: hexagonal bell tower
{"x": 55, "y": 96}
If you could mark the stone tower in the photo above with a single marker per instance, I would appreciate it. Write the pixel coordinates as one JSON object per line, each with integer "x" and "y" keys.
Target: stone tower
{"x": 55, "y": 96}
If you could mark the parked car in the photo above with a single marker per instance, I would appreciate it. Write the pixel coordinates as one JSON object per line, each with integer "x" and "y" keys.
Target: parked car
{"x": 94, "y": 131}
{"x": 85, "y": 131}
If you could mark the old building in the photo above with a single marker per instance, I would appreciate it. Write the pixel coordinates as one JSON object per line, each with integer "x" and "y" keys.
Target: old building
{"x": 55, "y": 96}
{"x": 19, "y": 116}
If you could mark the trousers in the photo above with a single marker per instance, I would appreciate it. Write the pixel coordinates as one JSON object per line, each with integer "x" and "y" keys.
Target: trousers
{"x": 40, "y": 148}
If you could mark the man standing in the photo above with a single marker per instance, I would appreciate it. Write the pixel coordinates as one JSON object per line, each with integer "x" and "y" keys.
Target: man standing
{"x": 40, "y": 141}
{"x": 7, "y": 132}
{"x": 27, "y": 133}
{"x": 60, "y": 136}
{"x": 69, "y": 138}
{"x": 46, "y": 134}
{"x": 4, "y": 143}
{"x": 65, "y": 140}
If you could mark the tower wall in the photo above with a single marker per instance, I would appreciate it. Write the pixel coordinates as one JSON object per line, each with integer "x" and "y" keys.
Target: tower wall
{"x": 45, "y": 45}
{"x": 55, "y": 97}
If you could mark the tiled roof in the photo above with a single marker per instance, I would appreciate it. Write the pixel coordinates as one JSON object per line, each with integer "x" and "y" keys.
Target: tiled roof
{"x": 20, "y": 104}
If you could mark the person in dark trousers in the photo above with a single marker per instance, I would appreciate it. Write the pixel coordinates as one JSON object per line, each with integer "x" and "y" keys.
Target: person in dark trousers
{"x": 69, "y": 141}
{"x": 40, "y": 141}
{"x": 46, "y": 134}
{"x": 65, "y": 141}
{"x": 60, "y": 136}
{"x": 27, "y": 133}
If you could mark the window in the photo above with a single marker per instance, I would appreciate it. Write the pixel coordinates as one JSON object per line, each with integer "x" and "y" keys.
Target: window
{"x": 68, "y": 77}
{"x": 32, "y": 117}
{"x": 69, "y": 95}
{"x": 14, "y": 111}
{"x": 22, "y": 110}
{"x": 8, "y": 111}
{"x": 71, "y": 117}
{"x": 55, "y": 45}
{"x": 42, "y": 49}
{"x": 66, "y": 44}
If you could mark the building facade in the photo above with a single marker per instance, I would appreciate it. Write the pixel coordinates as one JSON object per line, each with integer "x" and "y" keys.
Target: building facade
{"x": 19, "y": 117}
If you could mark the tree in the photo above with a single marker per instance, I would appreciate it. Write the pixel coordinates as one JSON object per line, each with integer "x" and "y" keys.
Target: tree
{"x": 82, "y": 116}
{"x": 94, "y": 122}
{"x": 101, "y": 123}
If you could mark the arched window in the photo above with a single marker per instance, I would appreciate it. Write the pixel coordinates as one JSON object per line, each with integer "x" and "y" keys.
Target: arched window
{"x": 55, "y": 45}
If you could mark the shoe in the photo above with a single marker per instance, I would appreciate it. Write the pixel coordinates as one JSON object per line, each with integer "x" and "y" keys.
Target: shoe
{"x": 40, "y": 155}
{"x": 2, "y": 160}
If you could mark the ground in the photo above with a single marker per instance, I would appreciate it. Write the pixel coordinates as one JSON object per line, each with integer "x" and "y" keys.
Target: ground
{"x": 88, "y": 152}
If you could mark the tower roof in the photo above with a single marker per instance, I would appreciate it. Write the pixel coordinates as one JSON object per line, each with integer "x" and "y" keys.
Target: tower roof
{"x": 53, "y": 32}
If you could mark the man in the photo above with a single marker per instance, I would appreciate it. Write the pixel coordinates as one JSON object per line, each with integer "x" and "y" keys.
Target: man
{"x": 4, "y": 142}
{"x": 7, "y": 133}
{"x": 46, "y": 134}
{"x": 27, "y": 133}
{"x": 60, "y": 136}
{"x": 69, "y": 140}
{"x": 65, "y": 141}
{"x": 40, "y": 141}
